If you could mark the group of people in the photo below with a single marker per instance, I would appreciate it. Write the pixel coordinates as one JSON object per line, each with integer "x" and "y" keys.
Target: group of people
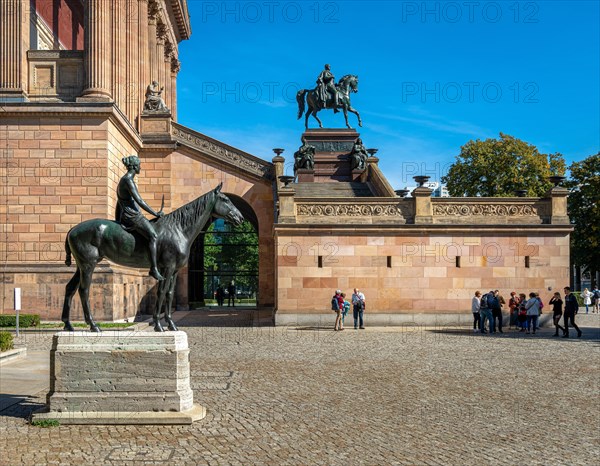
{"x": 341, "y": 307}
{"x": 591, "y": 298}
{"x": 524, "y": 312}
{"x": 220, "y": 294}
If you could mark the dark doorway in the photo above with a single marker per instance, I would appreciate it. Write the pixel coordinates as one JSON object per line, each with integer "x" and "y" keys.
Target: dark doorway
{"x": 222, "y": 255}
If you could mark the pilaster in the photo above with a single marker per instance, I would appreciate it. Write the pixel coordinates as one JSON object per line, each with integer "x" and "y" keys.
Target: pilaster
{"x": 98, "y": 54}
{"x": 14, "y": 15}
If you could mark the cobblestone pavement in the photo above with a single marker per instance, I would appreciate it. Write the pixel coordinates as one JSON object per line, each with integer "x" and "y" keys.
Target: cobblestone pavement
{"x": 386, "y": 396}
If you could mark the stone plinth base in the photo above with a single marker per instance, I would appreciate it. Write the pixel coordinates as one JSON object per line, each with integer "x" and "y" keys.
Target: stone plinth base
{"x": 120, "y": 377}
{"x": 305, "y": 175}
{"x": 331, "y": 159}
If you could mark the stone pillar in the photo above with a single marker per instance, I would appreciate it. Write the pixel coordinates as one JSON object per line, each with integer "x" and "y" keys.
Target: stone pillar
{"x": 287, "y": 212}
{"x": 98, "y": 53}
{"x": 423, "y": 207}
{"x": 14, "y": 15}
{"x": 557, "y": 197}
{"x": 167, "y": 74}
{"x": 160, "y": 53}
{"x": 152, "y": 46}
{"x": 133, "y": 63}
{"x": 144, "y": 56}
{"x": 278, "y": 163}
{"x": 175, "y": 67}
{"x": 120, "y": 18}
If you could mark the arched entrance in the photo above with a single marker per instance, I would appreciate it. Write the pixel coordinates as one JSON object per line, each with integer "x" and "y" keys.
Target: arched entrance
{"x": 223, "y": 256}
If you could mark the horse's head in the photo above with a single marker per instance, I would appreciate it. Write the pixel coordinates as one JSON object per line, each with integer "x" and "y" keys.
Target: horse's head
{"x": 225, "y": 209}
{"x": 350, "y": 81}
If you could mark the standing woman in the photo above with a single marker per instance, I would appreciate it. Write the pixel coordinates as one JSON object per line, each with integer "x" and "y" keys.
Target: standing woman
{"x": 475, "y": 306}
{"x": 522, "y": 315}
{"x": 557, "y": 304}
{"x": 587, "y": 299}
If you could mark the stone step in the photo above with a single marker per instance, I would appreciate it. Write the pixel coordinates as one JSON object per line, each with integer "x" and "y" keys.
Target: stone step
{"x": 333, "y": 189}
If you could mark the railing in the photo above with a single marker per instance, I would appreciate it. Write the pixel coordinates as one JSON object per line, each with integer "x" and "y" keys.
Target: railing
{"x": 55, "y": 75}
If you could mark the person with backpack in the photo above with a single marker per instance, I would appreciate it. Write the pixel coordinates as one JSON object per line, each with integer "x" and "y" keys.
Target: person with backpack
{"x": 533, "y": 312}
{"x": 337, "y": 304}
{"x": 571, "y": 308}
{"x": 596, "y": 300}
{"x": 485, "y": 310}
{"x": 497, "y": 301}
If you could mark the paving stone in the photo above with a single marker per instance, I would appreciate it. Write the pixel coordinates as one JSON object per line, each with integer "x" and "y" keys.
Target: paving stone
{"x": 381, "y": 396}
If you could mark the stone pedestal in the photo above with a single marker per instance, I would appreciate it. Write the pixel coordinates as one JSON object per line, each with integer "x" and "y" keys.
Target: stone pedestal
{"x": 155, "y": 127}
{"x": 305, "y": 175}
{"x": 333, "y": 146}
{"x": 120, "y": 377}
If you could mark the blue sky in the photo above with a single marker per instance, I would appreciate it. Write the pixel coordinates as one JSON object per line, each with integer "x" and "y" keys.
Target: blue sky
{"x": 432, "y": 75}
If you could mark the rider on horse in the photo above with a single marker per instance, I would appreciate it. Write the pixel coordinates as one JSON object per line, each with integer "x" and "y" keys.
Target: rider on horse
{"x": 326, "y": 82}
{"x": 128, "y": 210}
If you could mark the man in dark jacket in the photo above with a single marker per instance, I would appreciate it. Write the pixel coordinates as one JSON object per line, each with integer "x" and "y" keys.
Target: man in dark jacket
{"x": 571, "y": 308}
{"x": 497, "y": 302}
{"x": 485, "y": 311}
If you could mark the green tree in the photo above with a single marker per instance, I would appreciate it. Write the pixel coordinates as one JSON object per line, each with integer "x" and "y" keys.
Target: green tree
{"x": 498, "y": 167}
{"x": 584, "y": 210}
{"x": 233, "y": 253}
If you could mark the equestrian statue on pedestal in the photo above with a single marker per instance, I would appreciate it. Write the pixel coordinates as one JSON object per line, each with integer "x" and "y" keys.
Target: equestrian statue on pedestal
{"x": 328, "y": 95}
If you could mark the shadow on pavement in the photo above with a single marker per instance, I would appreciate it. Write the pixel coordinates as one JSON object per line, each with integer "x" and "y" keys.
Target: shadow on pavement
{"x": 588, "y": 334}
{"x": 19, "y": 406}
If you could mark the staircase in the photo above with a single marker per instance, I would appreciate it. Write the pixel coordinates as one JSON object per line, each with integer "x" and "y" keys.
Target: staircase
{"x": 339, "y": 189}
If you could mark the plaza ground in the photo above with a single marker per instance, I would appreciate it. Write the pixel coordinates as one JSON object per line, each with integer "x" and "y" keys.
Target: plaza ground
{"x": 288, "y": 395}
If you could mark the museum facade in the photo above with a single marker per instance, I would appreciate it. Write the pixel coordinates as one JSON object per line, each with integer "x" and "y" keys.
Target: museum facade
{"x": 73, "y": 90}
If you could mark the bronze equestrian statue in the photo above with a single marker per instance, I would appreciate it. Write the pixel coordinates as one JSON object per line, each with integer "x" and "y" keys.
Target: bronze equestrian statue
{"x": 328, "y": 95}
{"x": 93, "y": 240}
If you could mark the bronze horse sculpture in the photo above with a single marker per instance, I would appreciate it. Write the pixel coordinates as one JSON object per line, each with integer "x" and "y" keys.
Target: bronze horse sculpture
{"x": 345, "y": 86}
{"x": 93, "y": 240}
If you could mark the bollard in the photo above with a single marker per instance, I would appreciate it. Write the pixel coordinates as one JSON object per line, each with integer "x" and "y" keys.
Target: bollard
{"x": 17, "y": 307}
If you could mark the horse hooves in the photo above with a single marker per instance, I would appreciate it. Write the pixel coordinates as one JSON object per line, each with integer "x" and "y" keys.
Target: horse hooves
{"x": 158, "y": 328}
{"x": 94, "y": 328}
{"x": 360, "y": 124}
{"x": 173, "y": 327}
{"x": 68, "y": 327}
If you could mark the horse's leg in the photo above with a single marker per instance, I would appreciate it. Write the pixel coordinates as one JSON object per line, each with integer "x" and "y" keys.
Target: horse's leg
{"x": 170, "y": 293}
{"x": 346, "y": 116}
{"x": 70, "y": 290}
{"x": 162, "y": 286}
{"x": 350, "y": 109}
{"x": 84, "y": 294}
{"x": 317, "y": 118}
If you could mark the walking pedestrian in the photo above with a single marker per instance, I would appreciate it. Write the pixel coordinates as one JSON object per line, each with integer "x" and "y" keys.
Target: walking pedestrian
{"x": 571, "y": 308}
{"x": 557, "y": 312}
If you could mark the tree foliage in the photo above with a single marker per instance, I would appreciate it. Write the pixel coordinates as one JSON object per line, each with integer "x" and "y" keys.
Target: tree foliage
{"x": 584, "y": 211}
{"x": 498, "y": 167}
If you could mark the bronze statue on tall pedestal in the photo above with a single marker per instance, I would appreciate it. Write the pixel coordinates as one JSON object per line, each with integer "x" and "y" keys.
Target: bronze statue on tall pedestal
{"x": 328, "y": 95}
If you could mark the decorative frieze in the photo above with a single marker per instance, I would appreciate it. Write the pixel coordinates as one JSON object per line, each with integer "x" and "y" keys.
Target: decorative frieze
{"x": 401, "y": 210}
{"x": 222, "y": 152}
{"x": 463, "y": 209}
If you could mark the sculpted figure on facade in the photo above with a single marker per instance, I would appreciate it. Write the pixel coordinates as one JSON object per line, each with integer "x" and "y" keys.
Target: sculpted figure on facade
{"x": 154, "y": 101}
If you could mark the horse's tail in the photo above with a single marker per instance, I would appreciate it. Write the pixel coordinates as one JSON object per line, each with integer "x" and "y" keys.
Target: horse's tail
{"x": 300, "y": 99}
{"x": 68, "y": 250}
